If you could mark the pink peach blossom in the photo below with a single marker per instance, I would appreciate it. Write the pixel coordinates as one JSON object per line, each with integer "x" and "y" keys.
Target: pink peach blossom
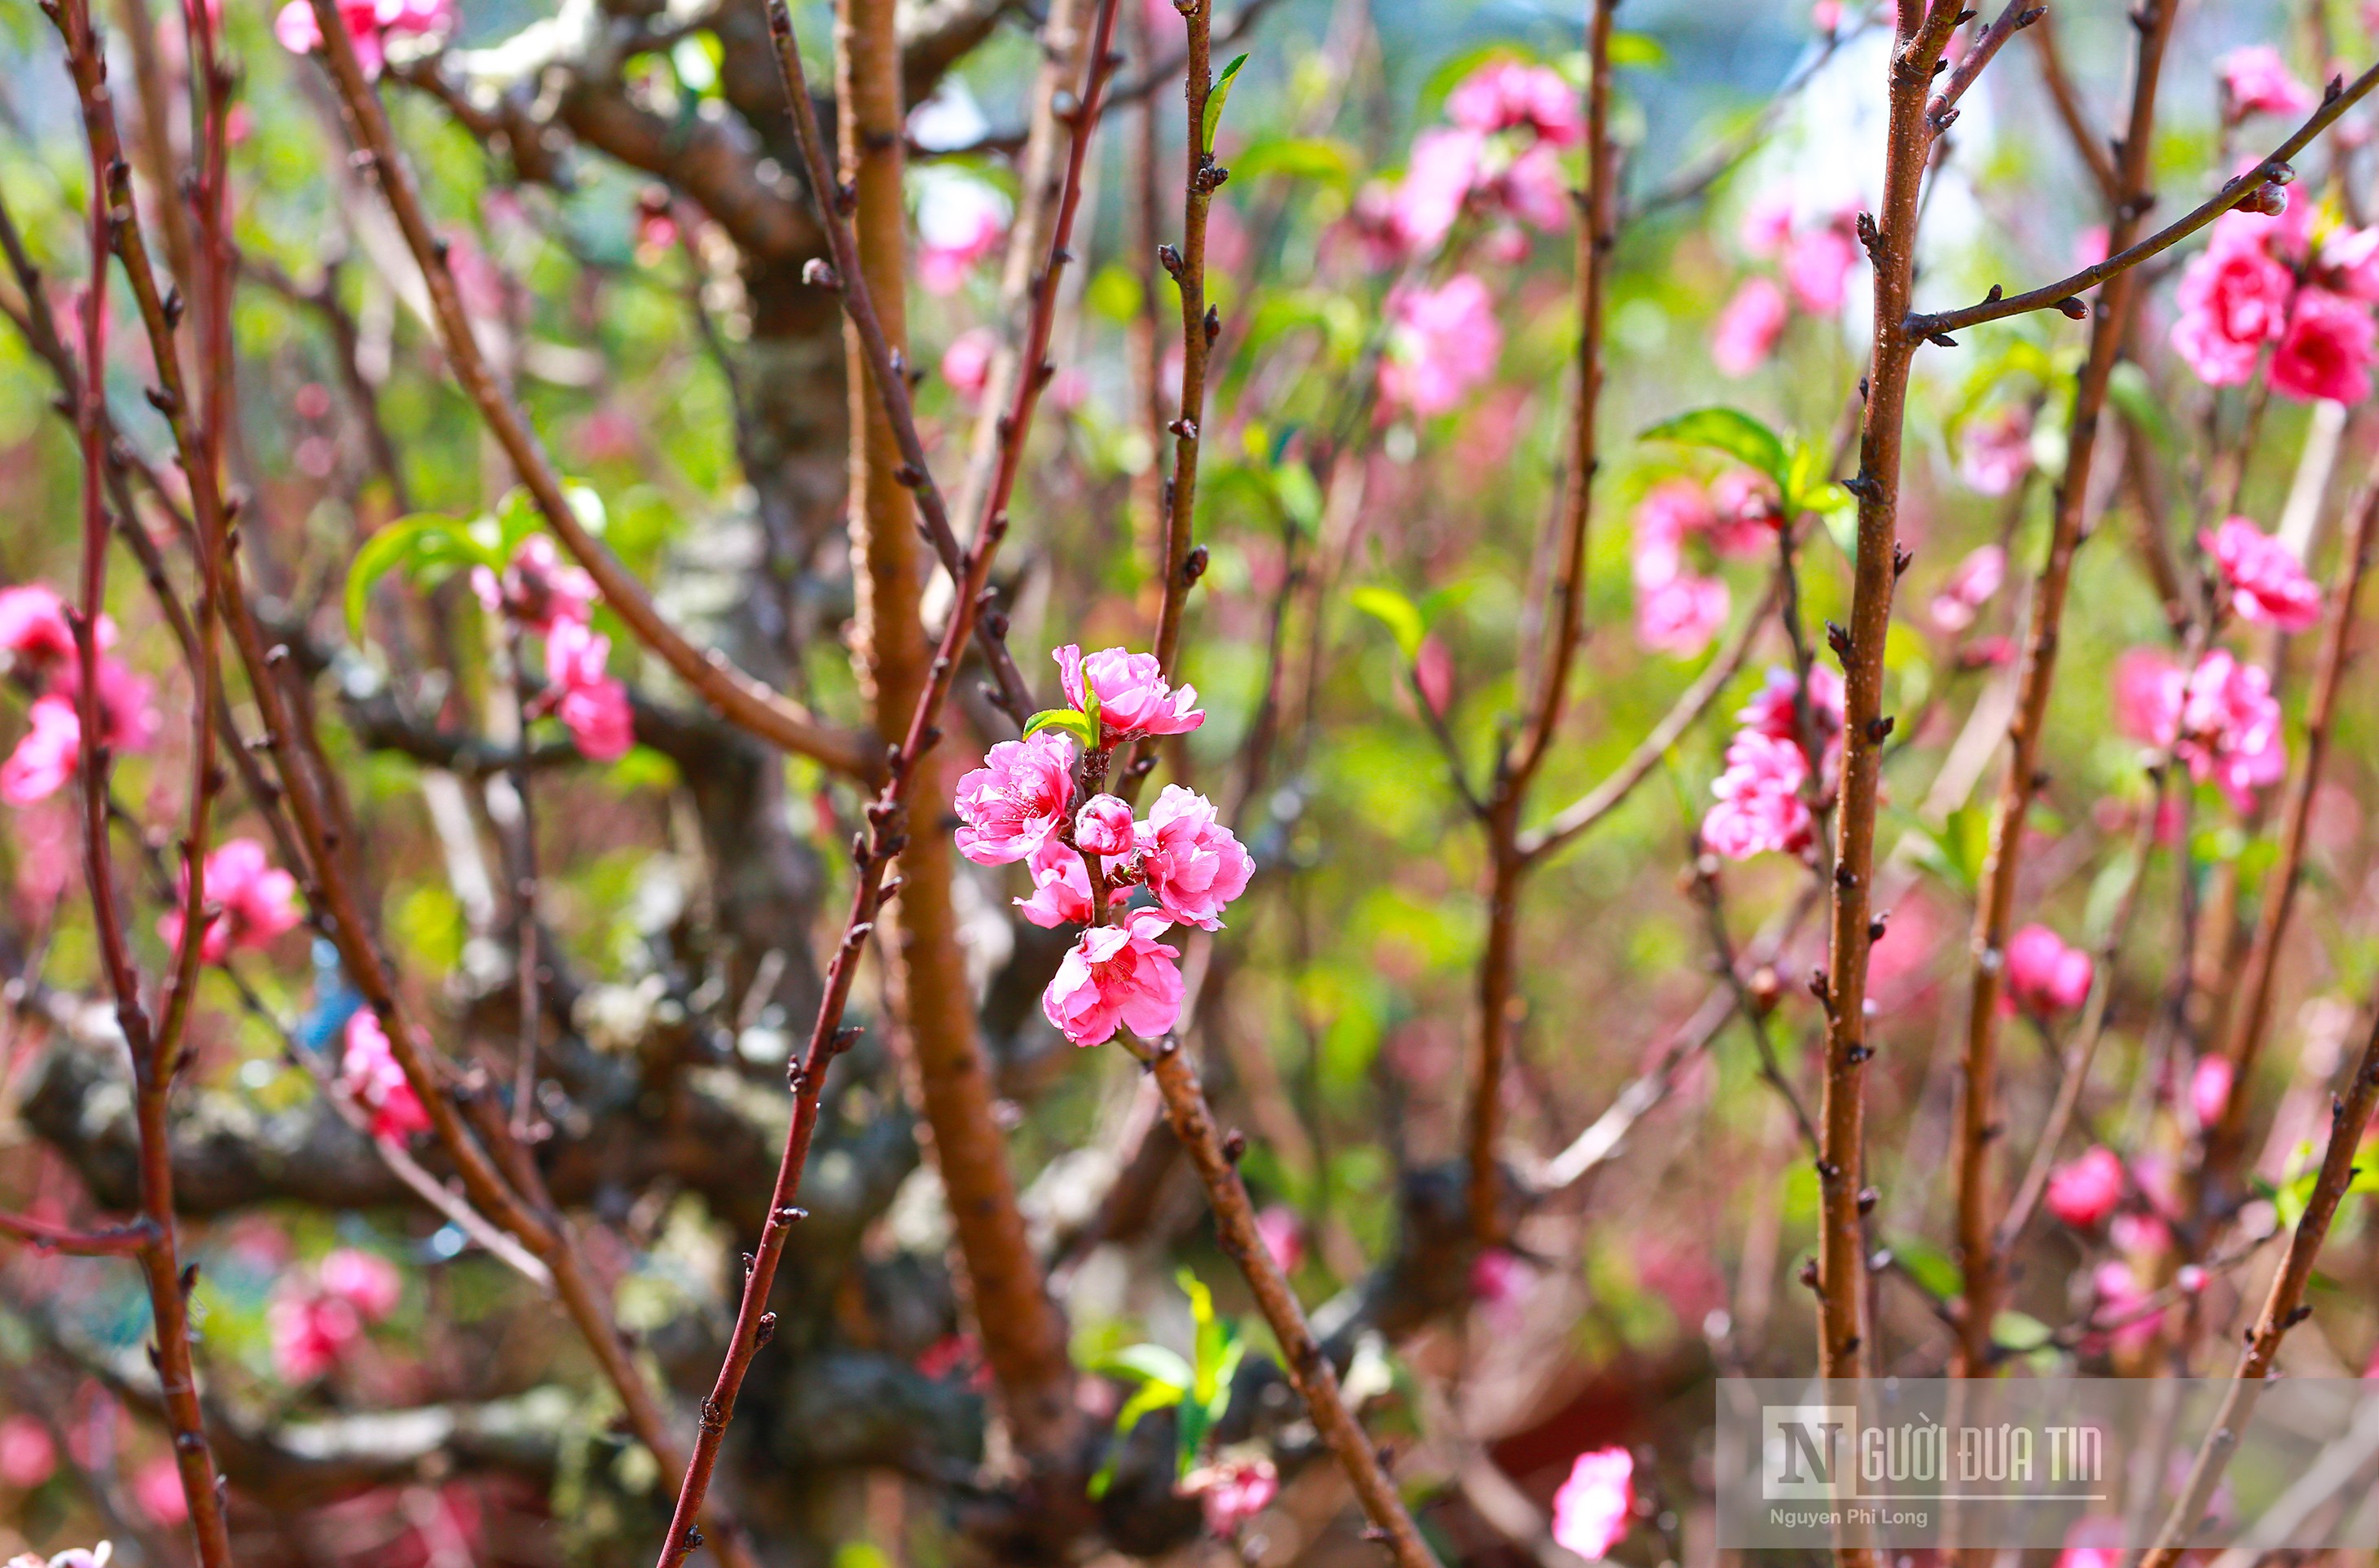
{"x": 1745, "y": 516}
{"x": 2043, "y": 973}
{"x": 258, "y": 899}
{"x": 1594, "y": 1508}
{"x": 309, "y": 1333}
{"x": 1061, "y": 888}
{"x": 372, "y": 1073}
{"x": 1117, "y": 976}
{"x": 1971, "y": 586}
{"x": 2326, "y": 351}
{"x": 1817, "y": 264}
{"x": 46, "y": 756}
{"x": 157, "y": 1490}
{"x": 1498, "y": 1280}
{"x": 1189, "y": 860}
{"x": 1507, "y": 95}
{"x": 1103, "y": 826}
{"x": 28, "y": 1454}
{"x": 1745, "y": 331}
{"x": 1760, "y": 805}
{"x": 538, "y": 588}
{"x": 1433, "y": 673}
{"x": 1133, "y": 697}
{"x": 591, "y": 705}
{"x": 34, "y": 631}
{"x": 1009, "y": 807}
{"x": 2209, "y": 1089}
{"x": 1438, "y": 174}
{"x": 1232, "y": 1494}
{"x": 1442, "y": 342}
{"x": 959, "y": 221}
{"x": 2255, "y": 80}
{"x": 1767, "y": 222}
{"x": 1680, "y": 617}
{"x": 2085, "y": 1192}
{"x": 1774, "y": 710}
{"x": 1283, "y": 1236}
{"x": 2121, "y": 1297}
{"x": 2268, "y": 583}
{"x": 365, "y": 1280}
{"x": 2230, "y": 728}
{"x": 2233, "y": 299}
{"x": 1995, "y": 452}
{"x": 966, "y": 364}
{"x": 1669, "y": 510}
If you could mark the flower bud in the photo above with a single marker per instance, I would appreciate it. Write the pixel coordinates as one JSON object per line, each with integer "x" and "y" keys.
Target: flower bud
{"x": 1105, "y": 826}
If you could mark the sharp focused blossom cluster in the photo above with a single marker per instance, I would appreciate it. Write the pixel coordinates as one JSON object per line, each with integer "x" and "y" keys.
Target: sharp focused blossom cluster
{"x": 1762, "y": 804}
{"x": 1679, "y": 609}
{"x": 2274, "y": 283}
{"x": 543, "y": 594}
{"x": 39, "y": 643}
{"x": 2221, "y": 719}
{"x": 1022, "y": 806}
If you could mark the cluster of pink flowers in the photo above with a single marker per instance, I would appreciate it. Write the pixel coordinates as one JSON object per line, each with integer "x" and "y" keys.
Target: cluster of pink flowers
{"x": 314, "y": 1322}
{"x": 1498, "y": 156}
{"x": 1761, "y": 806}
{"x": 1594, "y": 1508}
{"x": 39, "y": 641}
{"x": 2221, "y": 719}
{"x": 1020, "y": 806}
{"x": 256, "y": 901}
{"x": 1974, "y": 584}
{"x": 1678, "y": 611}
{"x": 961, "y": 220}
{"x": 2255, "y": 80}
{"x": 370, "y": 23}
{"x": 2262, "y": 282}
{"x": 1815, "y": 261}
{"x": 1442, "y": 342}
{"x": 2043, "y": 973}
{"x": 370, "y": 1071}
{"x": 554, "y": 599}
{"x": 2268, "y": 583}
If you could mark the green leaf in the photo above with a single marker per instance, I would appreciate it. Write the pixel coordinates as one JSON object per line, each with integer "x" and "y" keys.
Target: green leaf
{"x": 1734, "y": 432}
{"x": 2129, "y": 390}
{"x": 416, "y": 543}
{"x": 1073, "y": 722}
{"x": 2021, "y": 1331}
{"x": 1638, "y": 49}
{"x": 1398, "y": 614}
{"x": 1216, "y": 97}
{"x": 1149, "y": 1363}
{"x": 1934, "y": 1270}
{"x": 1151, "y": 1397}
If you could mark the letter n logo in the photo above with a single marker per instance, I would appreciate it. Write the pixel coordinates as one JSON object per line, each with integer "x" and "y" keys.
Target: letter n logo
{"x": 1803, "y": 1448}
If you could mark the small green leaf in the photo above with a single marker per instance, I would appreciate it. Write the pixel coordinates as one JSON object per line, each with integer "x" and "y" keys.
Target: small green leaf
{"x": 1932, "y": 1270}
{"x": 1072, "y": 721}
{"x": 1398, "y": 614}
{"x": 2021, "y": 1331}
{"x": 1638, "y": 49}
{"x": 1216, "y": 97}
{"x": 1734, "y": 432}
{"x": 418, "y": 543}
{"x": 1148, "y": 1363}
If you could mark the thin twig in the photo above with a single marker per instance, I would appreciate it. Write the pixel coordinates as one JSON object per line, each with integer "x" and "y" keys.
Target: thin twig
{"x": 117, "y": 1241}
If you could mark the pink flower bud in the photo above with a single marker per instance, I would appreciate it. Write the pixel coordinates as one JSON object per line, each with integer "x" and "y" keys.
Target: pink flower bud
{"x": 1103, "y": 827}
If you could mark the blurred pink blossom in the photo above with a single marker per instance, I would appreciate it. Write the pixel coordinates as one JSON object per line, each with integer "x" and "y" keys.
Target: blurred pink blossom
{"x": 2255, "y": 80}
{"x": 1970, "y": 587}
{"x": 589, "y": 702}
{"x": 2326, "y": 351}
{"x": 1433, "y": 673}
{"x": 959, "y": 221}
{"x": 367, "y": 22}
{"x": 1745, "y": 331}
{"x": 538, "y": 588}
{"x": 2233, "y": 299}
{"x": 1760, "y": 805}
{"x": 1680, "y": 617}
{"x": 1996, "y": 452}
{"x": 966, "y": 364}
{"x": 1595, "y": 1506}
{"x": 2209, "y": 1089}
{"x": 365, "y": 1280}
{"x": 2222, "y": 721}
{"x": 1818, "y": 265}
{"x": 2268, "y": 583}
{"x": 2043, "y": 973}
{"x": 1508, "y": 95}
{"x": 1231, "y": 1494}
{"x": 370, "y": 1071}
{"x": 309, "y": 1333}
{"x": 258, "y": 901}
{"x": 2120, "y": 1296}
{"x": 2082, "y": 1193}
{"x": 157, "y": 1490}
{"x": 28, "y": 1454}
{"x": 1283, "y": 1236}
{"x": 34, "y": 631}
{"x": 1442, "y": 342}
{"x": 46, "y": 756}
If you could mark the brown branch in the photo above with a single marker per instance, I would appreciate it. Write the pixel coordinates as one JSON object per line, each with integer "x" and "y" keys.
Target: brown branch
{"x": 150, "y": 1051}
{"x": 117, "y": 1241}
{"x": 2064, "y": 293}
{"x": 2250, "y": 1013}
{"x": 1308, "y": 1365}
{"x": 1977, "y": 1129}
{"x": 1588, "y": 810}
{"x": 1515, "y": 772}
{"x": 2284, "y": 1306}
{"x": 2087, "y": 144}
{"x": 1942, "y": 112}
{"x": 1890, "y": 240}
{"x": 743, "y": 700}
{"x": 886, "y": 368}
{"x": 885, "y": 839}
